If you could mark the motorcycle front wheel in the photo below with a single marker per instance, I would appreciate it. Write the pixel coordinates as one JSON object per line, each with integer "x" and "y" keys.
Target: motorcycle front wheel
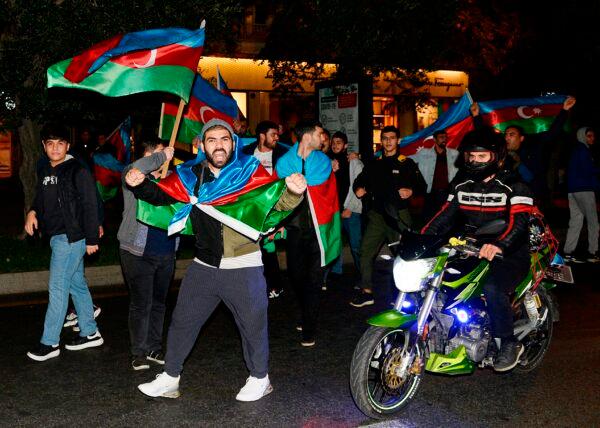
{"x": 382, "y": 379}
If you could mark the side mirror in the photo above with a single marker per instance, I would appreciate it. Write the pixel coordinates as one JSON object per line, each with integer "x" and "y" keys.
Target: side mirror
{"x": 493, "y": 227}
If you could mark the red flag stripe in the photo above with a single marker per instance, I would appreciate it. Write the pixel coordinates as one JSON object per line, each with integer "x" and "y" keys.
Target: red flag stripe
{"x": 174, "y": 54}
{"x": 107, "y": 177}
{"x": 79, "y": 66}
{"x": 512, "y": 113}
{"x": 324, "y": 199}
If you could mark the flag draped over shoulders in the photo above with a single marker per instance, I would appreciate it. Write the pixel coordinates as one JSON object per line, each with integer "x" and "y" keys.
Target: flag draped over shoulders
{"x": 163, "y": 59}
{"x": 322, "y": 197}
{"x": 242, "y": 197}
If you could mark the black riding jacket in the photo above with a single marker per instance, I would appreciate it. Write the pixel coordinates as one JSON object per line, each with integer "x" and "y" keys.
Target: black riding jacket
{"x": 477, "y": 203}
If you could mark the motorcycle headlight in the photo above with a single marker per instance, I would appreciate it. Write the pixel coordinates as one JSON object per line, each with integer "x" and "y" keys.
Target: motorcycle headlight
{"x": 409, "y": 276}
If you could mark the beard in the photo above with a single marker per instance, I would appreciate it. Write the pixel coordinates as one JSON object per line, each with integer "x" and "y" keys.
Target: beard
{"x": 218, "y": 163}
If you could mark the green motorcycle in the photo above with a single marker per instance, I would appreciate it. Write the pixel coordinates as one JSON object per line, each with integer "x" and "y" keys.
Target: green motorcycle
{"x": 439, "y": 321}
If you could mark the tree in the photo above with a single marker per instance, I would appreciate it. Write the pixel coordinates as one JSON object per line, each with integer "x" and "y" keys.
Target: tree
{"x": 36, "y": 34}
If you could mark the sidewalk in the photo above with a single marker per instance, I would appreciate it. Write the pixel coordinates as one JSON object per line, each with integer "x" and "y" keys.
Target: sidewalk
{"x": 99, "y": 276}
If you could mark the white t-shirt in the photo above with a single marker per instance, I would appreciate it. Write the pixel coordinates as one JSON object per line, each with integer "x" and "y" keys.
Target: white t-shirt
{"x": 265, "y": 158}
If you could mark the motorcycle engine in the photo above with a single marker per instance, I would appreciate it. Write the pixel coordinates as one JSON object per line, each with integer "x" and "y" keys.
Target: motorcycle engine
{"x": 474, "y": 338}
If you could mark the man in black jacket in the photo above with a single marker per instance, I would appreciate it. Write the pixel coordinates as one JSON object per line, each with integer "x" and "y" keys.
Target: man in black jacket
{"x": 267, "y": 150}
{"x": 385, "y": 186}
{"x": 65, "y": 210}
{"x": 485, "y": 194}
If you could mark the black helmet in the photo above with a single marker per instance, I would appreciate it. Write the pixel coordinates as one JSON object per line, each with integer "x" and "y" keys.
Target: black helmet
{"x": 485, "y": 139}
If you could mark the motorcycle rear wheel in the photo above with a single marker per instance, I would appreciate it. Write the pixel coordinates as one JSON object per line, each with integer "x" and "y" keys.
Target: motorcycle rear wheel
{"x": 376, "y": 388}
{"x": 538, "y": 341}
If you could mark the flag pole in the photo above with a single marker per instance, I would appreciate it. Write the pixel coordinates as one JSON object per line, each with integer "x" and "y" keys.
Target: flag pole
{"x": 174, "y": 132}
{"x": 469, "y": 96}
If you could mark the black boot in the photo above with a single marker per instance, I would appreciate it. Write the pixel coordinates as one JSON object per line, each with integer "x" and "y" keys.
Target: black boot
{"x": 509, "y": 354}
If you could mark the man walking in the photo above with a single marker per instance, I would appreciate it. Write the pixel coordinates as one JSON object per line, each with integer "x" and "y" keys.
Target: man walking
{"x": 65, "y": 210}
{"x": 227, "y": 265}
{"x": 385, "y": 186}
{"x": 267, "y": 150}
{"x": 148, "y": 260}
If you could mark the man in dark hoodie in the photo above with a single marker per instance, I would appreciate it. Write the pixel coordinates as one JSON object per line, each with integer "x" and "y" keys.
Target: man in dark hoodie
{"x": 583, "y": 182}
{"x": 65, "y": 209}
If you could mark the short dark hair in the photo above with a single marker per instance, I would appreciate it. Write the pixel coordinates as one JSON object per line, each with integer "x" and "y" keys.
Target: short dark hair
{"x": 391, "y": 128}
{"x": 151, "y": 145}
{"x": 264, "y": 126}
{"x": 326, "y": 132}
{"x": 306, "y": 127}
{"x": 518, "y": 128}
{"x": 439, "y": 132}
{"x": 54, "y": 131}
{"x": 340, "y": 135}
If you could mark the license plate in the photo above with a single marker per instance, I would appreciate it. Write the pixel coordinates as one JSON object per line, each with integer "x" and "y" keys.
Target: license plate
{"x": 560, "y": 273}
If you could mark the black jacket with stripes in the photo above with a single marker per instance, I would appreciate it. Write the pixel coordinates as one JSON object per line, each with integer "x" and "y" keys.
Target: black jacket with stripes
{"x": 477, "y": 203}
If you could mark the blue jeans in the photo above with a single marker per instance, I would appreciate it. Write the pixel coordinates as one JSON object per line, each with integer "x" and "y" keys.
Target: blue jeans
{"x": 66, "y": 276}
{"x": 352, "y": 227}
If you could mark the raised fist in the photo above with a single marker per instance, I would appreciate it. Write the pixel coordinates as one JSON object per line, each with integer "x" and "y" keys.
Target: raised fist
{"x": 296, "y": 183}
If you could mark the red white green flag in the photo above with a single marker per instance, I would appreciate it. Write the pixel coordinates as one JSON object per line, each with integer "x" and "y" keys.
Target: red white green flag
{"x": 205, "y": 103}
{"x": 322, "y": 198}
{"x": 163, "y": 60}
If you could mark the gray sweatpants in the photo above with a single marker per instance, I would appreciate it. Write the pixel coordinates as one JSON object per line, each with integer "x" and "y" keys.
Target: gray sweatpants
{"x": 244, "y": 291}
{"x": 582, "y": 205}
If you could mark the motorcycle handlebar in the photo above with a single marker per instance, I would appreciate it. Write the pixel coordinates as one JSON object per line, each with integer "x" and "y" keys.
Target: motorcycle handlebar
{"x": 471, "y": 249}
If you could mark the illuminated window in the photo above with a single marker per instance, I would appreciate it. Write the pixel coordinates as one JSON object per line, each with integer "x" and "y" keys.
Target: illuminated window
{"x": 241, "y": 99}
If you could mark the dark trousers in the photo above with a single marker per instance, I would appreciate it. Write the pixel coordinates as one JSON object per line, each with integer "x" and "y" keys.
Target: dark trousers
{"x": 272, "y": 271}
{"x": 243, "y": 291}
{"x": 503, "y": 278}
{"x": 378, "y": 232}
{"x": 148, "y": 279}
{"x": 432, "y": 204}
{"x": 306, "y": 274}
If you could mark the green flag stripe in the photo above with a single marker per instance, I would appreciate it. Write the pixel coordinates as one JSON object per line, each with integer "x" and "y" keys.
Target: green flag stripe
{"x": 160, "y": 216}
{"x": 188, "y": 129}
{"x": 530, "y": 126}
{"x": 255, "y": 208}
{"x": 330, "y": 238}
{"x": 116, "y": 80}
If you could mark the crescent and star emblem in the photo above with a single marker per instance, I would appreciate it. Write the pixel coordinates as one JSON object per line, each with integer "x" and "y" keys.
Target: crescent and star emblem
{"x": 521, "y": 112}
{"x": 150, "y": 61}
{"x": 203, "y": 110}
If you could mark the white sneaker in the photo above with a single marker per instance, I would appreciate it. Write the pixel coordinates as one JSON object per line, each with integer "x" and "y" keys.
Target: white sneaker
{"x": 255, "y": 389}
{"x": 163, "y": 386}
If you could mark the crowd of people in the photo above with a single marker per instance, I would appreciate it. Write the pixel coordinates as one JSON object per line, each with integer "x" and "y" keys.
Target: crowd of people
{"x": 488, "y": 176}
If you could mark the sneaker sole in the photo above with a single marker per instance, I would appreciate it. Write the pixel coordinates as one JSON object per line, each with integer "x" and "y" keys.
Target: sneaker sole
{"x": 92, "y": 344}
{"x": 70, "y": 323}
{"x": 308, "y": 344}
{"x": 512, "y": 366}
{"x": 174, "y": 394}
{"x": 48, "y": 356}
{"x": 142, "y": 367}
{"x": 360, "y": 305}
{"x": 245, "y": 400}
{"x": 97, "y": 312}
{"x": 161, "y": 362}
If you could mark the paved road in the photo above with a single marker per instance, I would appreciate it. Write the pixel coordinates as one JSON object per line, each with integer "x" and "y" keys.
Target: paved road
{"x": 97, "y": 388}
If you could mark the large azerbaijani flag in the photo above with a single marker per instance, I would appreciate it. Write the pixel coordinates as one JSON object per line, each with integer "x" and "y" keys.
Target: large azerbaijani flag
{"x": 108, "y": 168}
{"x": 242, "y": 197}
{"x": 322, "y": 197}
{"x": 206, "y": 102}
{"x": 534, "y": 115}
{"x": 163, "y": 59}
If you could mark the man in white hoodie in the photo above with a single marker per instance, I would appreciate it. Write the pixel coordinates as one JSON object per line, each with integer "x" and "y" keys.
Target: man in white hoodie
{"x": 437, "y": 168}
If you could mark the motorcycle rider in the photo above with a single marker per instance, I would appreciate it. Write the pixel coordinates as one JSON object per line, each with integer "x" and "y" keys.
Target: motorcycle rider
{"x": 482, "y": 193}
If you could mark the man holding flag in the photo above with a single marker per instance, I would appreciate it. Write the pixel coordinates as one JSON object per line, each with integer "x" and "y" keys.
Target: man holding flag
{"x": 227, "y": 265}
{"x": 528, "y": 154}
